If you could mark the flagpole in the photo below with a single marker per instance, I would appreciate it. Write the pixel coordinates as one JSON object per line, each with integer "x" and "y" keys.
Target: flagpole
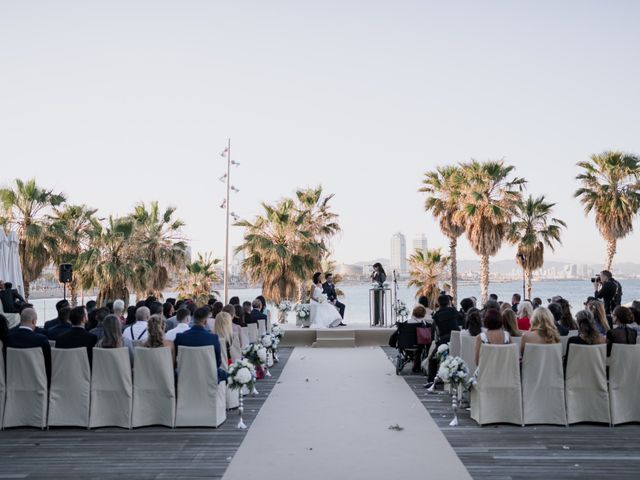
{"x": 226, "y": 246}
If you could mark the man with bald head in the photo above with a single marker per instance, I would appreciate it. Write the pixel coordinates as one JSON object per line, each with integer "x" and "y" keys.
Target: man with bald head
{"x": 25, "y": 337}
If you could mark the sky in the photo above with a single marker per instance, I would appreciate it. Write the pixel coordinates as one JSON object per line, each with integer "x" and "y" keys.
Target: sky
{"x": 117, "y": 102}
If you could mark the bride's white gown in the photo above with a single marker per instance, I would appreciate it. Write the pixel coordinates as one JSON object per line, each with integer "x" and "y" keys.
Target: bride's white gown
{"x": 323, "y": 315}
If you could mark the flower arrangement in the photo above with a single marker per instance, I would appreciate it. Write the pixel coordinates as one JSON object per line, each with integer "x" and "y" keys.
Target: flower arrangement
{"x": 242, "y": 376}
{"x": 269, "y": 341}
{"x": 256, "y": 354}
{"x": 455, "y": 371}
{"x": 442, "y": 352}
{"x": 401, "y": 309}
{"x": 303, "y": 315}
{"x": 322, "y": 298}
{"x": 285, "y": 306}
{"x": 277, "y": 331}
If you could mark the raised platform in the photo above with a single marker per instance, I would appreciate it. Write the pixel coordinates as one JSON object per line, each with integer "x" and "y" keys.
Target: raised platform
{"x": 345, "y": 337}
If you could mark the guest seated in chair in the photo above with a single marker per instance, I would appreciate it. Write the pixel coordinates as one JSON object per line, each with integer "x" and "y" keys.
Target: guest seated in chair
{"x": 156, "y": 338}
{"x": 11, "y": 299}
{"x": 543, "y": 329}
{"x": 256, "y": 314}
{"x": 556, "y": 311}
{"x": 77, "y": 336}
{"x": 525, "y": 312}
{"x": 510, "y": 322}
{"x": 198, "y": 336}
{"x": 25, "y": 337}
{"x": 621, "y": 332}
{"x": 113, "y": 337}
{"x": 445, "y": 319}
{"x": 473, "y": 322}
{"x": 588, "y": 333}
{"x": 63, "y": 325}
{"x": 495, "y": 334}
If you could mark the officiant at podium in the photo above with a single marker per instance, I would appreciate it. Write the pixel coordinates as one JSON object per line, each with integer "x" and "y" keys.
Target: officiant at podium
{"x": 329, "y": 289}
{"x": 378, "y": 277}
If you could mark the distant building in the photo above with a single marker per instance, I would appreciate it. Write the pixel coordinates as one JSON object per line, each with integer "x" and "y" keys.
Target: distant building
{"x": 399, "y": 253}
{"x": 419, "y": 243}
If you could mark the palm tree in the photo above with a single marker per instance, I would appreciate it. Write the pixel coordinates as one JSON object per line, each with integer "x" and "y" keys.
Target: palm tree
{"x": 24, "y": 208}
{"x": 157, "y": 236}
{"x": 426, "y": 271}
{"x": 281, "y": 250}
{"x": 111, "y": 263}
{"x": 69, "y": 235}
{"x": 487, "y": 202}
{"x": 532, "y": 229}
{"x": 442, "y": 187}
{"x": 198, "y": 282}
{"x": 610, "y": 187}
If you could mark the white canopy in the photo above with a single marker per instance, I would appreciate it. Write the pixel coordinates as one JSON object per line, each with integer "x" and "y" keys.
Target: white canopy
{"x": 10, "y": 269}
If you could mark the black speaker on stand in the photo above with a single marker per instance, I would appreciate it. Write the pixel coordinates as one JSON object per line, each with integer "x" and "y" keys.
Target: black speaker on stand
{"x": 65, "y": 275}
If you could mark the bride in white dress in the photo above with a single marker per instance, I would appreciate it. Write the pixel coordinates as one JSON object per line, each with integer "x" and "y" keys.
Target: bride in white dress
{"x": 323, "y": 313}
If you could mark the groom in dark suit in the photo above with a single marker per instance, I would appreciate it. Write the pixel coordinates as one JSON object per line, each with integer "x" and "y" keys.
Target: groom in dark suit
{"x": 329, "y": 289}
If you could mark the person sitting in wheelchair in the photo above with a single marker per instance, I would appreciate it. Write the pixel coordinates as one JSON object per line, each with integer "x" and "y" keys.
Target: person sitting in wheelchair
{"x": 405, "y": 339}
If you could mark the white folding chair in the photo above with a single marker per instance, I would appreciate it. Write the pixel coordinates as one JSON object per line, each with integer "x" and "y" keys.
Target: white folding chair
{"x": 624, "y": 383}
{"x": 586, "y": 384}
{"x": 543, "y": 385}
{"x": 26, "y": 396}
{"x": 232, "y": 396}
{"x": 497, "y": 397}
{"x": 253, "y": 332}
{"x": 236, "y": 347}
{"x": 12, "y": 318}
{"x": 3, "y": 387}
{"x": 516, "y": 340}
{"x": 468, "y": 351}
{"x": 154, "y": 389}
{"x": 454, "y": 343}
{"x": 269, "y": 325}
{"x": 111, "y": 388}
{"x": 244, "y": 336}
{"x": 201, "y": 400}
{"x": 70, "y": 389}
{"x": 262, "y": 327}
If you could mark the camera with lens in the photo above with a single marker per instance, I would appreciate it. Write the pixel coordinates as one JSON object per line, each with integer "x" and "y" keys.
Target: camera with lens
{"x": 595, "y": 279}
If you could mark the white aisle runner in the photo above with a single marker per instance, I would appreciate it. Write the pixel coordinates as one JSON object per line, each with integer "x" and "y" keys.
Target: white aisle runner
{"x": 328, "y": 418}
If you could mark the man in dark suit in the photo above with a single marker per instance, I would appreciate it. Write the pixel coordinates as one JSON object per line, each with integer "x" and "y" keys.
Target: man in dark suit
{"x": 63, "y": 325}
{"x": 255, "y": 313}
{"x": 55, "y": 321}
{"x": 329, "y": 289}
{"x": 198, "y": 336}
{"x": 25, "y": 337}
{"x": 77, "y": 336}
{"x": 246, "y": 313}
{"x": 11, "y": 299}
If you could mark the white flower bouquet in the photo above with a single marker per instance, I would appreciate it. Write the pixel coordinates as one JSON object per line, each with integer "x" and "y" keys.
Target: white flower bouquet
{"x": 455, "y": 371}
{"x": 242, "y": 376}
{"x": 285, "y": 306}
{"x": 303, "y": 315}
{"x": 256, "y": 354}
{"x": 277, "y": 331}
{"x": 401, "y": 309}
{"x": 323, "y": 298}
{"x": 269, "y": 341}
{"x": 442, "y": 352}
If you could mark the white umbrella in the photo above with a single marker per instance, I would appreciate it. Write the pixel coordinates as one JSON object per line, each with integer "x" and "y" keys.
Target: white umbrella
{"x": 15, "y": 270}
{"x": 4, "y": 257}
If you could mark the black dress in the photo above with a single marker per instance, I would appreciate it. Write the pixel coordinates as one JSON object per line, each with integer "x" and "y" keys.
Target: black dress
{"x": 378, "y": 298}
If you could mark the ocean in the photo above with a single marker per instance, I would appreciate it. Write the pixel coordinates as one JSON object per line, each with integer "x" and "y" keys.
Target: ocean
{"x": 356, "y": 296}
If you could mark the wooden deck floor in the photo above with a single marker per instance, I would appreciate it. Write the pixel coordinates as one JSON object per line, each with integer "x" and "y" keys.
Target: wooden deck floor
{"x": 145, "y": 453}
{"x": 585, "y": 451}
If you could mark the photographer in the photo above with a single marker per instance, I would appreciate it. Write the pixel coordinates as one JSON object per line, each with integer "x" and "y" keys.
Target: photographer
{"x": 608, "y": 290}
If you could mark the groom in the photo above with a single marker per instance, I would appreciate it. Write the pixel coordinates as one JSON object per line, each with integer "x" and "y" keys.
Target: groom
{"x": 329, "y": 289}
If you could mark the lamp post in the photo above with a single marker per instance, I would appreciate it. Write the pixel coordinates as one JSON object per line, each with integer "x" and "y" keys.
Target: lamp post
{"x": 226, "y": 204}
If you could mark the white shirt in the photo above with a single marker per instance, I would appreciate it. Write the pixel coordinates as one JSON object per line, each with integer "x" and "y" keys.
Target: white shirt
{"x": 171, "y": 334}
{"x": 139, "y": 329}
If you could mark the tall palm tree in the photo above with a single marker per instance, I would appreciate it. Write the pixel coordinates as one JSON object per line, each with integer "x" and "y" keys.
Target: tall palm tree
{"x": 158, "y": 237}
{"x": 610, "y": 187}
{"x": 69, "y": 235}
{"x": 111, "y": 263}
{"x": 532, "y": 229}
{"x": 25, "y": 208}
{"x": 442, "y": 187}
{"x": 200, "y": 276}
{"x": 488, "y": 199}
{"x": 426, "y": 271}
{"x": 281, "y": 250}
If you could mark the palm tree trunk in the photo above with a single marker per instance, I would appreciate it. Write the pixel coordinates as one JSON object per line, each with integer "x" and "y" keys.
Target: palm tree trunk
{"x": 27, "y": 289}
{"x": 528, "y": 274}
{"x": 484, "y": 278}
{"x": 73, "y": 293}
{"x": 611, "y": 251}
{"x": 453, "y": 244}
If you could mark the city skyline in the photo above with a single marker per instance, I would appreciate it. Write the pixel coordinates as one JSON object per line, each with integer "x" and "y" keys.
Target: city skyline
{"x": 364, "y": 114}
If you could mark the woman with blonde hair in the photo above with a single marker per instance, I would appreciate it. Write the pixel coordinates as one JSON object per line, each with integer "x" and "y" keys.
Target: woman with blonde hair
{"x": 543, "y": 329}
{"x": 525, "y": 312}
{"x": 224, "y": 330}
{"x": 596, "y": 307}
{"x": 510, "y": 322}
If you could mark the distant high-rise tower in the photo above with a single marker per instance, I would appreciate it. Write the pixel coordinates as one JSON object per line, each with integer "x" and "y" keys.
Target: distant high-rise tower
{"x": 399, "y": 253}
{"x": 419, "y": 243}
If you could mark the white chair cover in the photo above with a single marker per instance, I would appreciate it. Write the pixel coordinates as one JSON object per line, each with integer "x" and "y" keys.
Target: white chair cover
{"x": 624, "y": 383}
{"x": 454, "y": 344}
{"x": 468, "y": 351}
{"x": 70, "y": 389}
{"x": 3, "y": 386}
{"x": 497, "y": 397}
{"x": 12, "y": 318}
{"x": 543, "y": 385}
{"x": 201, "y": 400}
{"x": 111, "y": 388}
{"x": 253, "y": 332}
{"x": 269, "y": 325}
{"x": 565, "y": 341}
{"x": 236, "y": 347}
{"x": 586, "y": 384}
{"x": 244, "y": 336}
{"x": 517, "y": 340}
{"x": 154, "y": 389}
{"x": 262, "y": 327}
{"x": 232, "y": 396}
{"x": 26, "y": 403}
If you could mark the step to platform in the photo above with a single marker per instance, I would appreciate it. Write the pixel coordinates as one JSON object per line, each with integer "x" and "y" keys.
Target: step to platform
{"x": 348, "y": 337}
{"x": 335, "y": 338}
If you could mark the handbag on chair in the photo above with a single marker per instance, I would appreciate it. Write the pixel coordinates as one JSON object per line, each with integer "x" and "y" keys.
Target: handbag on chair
{"x": 423, "y": 334}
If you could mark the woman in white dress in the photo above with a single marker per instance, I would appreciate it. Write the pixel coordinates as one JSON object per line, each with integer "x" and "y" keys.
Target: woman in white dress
{"x": 323, "y": 313}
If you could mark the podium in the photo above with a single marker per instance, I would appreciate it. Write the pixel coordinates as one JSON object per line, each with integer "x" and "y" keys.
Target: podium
{"x": 380, "y": 307}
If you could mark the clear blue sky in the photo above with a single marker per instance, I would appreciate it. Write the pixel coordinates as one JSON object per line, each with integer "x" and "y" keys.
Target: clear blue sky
{"x": 114, "y": 102}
